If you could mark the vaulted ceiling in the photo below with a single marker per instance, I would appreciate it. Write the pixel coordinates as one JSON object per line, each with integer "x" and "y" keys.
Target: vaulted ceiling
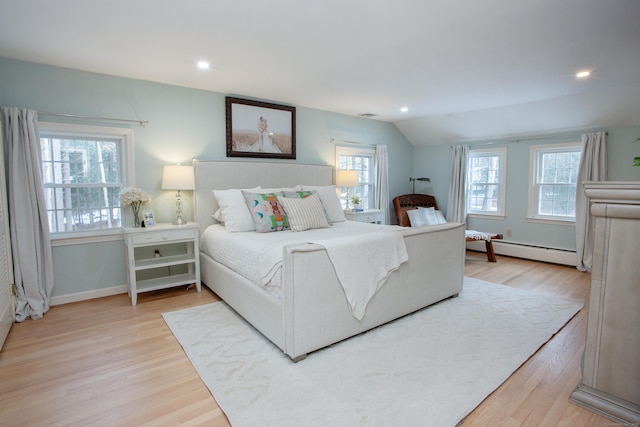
{"x": 464, "y": 69}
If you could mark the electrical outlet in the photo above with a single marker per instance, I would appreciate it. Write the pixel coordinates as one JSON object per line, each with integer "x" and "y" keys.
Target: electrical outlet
{"x": 156, "y": 253}
{"x": 508, "y": 232}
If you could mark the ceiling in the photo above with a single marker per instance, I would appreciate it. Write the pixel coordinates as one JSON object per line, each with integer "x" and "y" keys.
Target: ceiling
{"x": 465, "y": 69}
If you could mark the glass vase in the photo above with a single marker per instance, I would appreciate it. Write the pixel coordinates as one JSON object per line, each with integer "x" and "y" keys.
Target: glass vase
{"x": 135, "y": 207}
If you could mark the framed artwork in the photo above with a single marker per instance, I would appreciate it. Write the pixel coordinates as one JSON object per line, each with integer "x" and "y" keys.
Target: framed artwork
{"x": 148, "y": 219}
{"x": 260, "y": 129}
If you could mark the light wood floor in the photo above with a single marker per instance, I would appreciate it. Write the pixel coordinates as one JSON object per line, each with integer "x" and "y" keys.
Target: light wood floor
{"x": 104, "y": 362}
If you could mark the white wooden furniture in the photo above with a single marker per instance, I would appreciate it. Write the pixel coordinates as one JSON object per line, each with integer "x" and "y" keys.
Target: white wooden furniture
{"x": 312, "y": 311}
{"x": 368, "y": 215}
{"x": 610, "y": 383}
{"x": 178, "y": 247}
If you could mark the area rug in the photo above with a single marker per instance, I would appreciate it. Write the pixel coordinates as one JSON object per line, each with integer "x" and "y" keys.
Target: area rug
{"x": 431, "y": 368}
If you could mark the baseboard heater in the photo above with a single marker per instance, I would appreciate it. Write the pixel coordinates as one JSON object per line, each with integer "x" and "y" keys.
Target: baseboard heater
{"x": 527, "y": 251}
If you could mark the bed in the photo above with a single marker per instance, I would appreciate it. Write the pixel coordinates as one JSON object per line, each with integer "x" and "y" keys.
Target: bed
{"x": 310, "y": 310}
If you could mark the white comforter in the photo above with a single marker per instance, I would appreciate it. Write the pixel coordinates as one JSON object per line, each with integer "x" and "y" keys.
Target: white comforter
{"x": 363, "y": 255}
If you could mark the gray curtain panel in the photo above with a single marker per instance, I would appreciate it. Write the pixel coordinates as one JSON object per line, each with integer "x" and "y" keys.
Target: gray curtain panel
{"x": 593, "y": 167}
{"x": 28, "y": 223}
{"x": 457, "y": 205}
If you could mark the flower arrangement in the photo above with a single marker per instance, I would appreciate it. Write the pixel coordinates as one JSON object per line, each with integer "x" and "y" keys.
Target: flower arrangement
{"x": 636, "y": 160}
{"x": 135, "y": 197}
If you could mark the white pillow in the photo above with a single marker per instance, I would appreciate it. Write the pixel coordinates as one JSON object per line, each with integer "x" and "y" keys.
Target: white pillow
{"x": 431, "y": 216}
{"x": 329, "y": 200}
{"x": 415, "y": 219}
{"x": 304, "y": 213}
{"x": 234, "y": 211}
{"x": 423, "y": 217}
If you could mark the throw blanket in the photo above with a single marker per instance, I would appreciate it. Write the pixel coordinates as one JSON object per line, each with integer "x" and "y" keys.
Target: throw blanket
{"x": 363, "y": 264}
{"x": 477, "y": 235}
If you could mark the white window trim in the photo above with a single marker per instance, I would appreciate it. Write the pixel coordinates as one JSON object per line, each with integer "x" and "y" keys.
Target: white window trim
{"x": 128, "y": 175}
{"x": 531, "y": 203}
{"x": 500, "y": 214}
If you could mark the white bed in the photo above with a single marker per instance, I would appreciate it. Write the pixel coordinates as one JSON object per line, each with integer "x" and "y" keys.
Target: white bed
{"x": 310, "y": 310}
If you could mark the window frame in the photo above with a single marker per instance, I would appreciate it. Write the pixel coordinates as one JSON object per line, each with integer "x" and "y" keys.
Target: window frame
{"x": 369, "y": 152}
{"x": 535, "y": 151}
{"x": 501, "y": 152}
{"x": 123, "y": 136}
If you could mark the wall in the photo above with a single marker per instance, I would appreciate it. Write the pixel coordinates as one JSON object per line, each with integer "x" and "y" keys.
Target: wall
{"x": 184, "y": 124}
{"x": 434, "y": 162}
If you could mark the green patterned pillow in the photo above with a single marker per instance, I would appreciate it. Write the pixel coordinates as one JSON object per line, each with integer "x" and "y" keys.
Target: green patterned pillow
{"x": 266, "y": 212}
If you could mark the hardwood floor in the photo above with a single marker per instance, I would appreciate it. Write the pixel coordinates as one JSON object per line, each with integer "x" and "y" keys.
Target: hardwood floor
{"x": 104, "y": 362}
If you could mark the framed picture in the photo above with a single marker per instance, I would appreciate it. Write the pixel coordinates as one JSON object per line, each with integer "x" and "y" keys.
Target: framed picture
{"x": 260, "y": 129}
{"x": 148, "y": 219}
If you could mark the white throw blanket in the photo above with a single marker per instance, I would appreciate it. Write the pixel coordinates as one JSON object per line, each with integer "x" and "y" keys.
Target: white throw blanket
{"x": 477, "y": 235}
{"x": 363, "y": 264}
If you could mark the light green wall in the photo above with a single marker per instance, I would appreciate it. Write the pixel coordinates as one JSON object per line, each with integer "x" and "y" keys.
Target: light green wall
{"x": 435, "y": 162}
{"x": 184, "y": 124}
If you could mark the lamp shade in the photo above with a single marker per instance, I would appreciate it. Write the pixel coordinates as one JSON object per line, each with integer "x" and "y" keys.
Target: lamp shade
{"x": 176, "y": 177}
{"x": 345, "y": 178}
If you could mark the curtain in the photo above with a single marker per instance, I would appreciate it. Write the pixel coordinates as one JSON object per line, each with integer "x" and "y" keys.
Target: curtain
{"x": 593, "y": 167}
{"x": 382, "y": 183}
{"x": 28, "y": 224}
{"x": 456, "y": 205}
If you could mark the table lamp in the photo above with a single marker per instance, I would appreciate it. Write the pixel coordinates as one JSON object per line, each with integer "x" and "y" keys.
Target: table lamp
{"x": 348, "y": 179}
{"x": 176, "y": 177}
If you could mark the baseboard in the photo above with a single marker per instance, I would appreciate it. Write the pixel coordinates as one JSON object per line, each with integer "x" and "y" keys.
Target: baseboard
{"x": 535, "y": 253}
{"x": 83, "y": 296}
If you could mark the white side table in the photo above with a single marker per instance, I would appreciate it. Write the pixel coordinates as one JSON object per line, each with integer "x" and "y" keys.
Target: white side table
{"x": 368, "y": 215}
{"x": 141, "y": 245}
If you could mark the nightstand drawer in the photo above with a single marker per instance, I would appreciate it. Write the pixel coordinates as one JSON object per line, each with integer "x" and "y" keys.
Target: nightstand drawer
{"x": 369, "y": 217}
{"x": 164, "y": 236}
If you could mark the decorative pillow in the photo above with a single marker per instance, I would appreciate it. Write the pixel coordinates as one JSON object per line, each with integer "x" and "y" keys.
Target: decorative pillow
{"x": 267, "y": 213}
{"x": 233, "y": 210}
{"x": 304, "y": 213}
{"x": 304, "y": 194}
{"x": 415, "y": 219}
{"x": 431, "y": 216}
{"x": 329, "y": 200}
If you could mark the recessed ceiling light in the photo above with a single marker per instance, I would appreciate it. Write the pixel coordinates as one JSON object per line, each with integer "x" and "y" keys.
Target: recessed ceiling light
{"x": 404, "y": 109}
{"x": 583, "y": 74}
{"x": 203, "y": 65}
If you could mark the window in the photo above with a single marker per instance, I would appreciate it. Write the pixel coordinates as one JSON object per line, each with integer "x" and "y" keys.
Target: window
{"x": 362, "y": 160}
{"x": 83, "y": 170}
{"x": 485, "y": 182}
{"x": 554, "y": 174}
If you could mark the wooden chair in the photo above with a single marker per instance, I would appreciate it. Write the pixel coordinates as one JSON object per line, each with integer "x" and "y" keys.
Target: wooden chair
{"x": 405, "y": 202}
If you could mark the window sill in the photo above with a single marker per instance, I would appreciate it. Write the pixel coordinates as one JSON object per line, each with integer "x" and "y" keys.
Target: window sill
{"x": 496, "y": 217}
{"x": 81, "y": 238}
{"x": 567, "y": 222}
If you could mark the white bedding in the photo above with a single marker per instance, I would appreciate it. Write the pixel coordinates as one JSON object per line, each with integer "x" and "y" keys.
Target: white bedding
{"x": 258, "y": 256}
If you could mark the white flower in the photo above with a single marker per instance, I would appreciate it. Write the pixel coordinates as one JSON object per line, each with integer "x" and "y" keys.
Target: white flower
{"x": 130, "y": 195}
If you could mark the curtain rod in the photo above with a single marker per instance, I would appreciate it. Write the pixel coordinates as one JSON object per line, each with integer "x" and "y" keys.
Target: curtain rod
{"x": 499, "y": 141}
{"x": 344, "y": 142}
{"x": 142, "y": 123}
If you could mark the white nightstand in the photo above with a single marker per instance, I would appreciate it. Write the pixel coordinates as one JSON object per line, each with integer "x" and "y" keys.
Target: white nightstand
{"x": 178, "y": 247}
{"x": 368, "y": 215}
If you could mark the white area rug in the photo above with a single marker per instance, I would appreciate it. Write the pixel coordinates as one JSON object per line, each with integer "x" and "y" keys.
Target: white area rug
{"x": 428, "y": 369}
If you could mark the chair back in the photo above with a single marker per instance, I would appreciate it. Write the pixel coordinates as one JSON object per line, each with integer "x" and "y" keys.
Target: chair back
{"x": 405, "y": 202}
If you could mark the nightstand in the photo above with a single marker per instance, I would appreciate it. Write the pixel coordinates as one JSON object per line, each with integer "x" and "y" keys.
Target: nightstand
{"x": 162, "y": 256}
{"x": 368, "y": 215}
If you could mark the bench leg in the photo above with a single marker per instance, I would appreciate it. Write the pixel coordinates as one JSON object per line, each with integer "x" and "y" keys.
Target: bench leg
{"x": 491, "y": 255}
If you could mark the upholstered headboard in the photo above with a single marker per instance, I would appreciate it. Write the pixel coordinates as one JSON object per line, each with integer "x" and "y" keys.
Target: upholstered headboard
{"x": 405, "y": 202}
{"x": 223, "y": 175}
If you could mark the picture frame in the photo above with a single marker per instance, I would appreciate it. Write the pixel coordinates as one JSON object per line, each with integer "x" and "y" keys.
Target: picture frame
{"x": 148, "y": 220}
{"x": 260, "y": 129}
